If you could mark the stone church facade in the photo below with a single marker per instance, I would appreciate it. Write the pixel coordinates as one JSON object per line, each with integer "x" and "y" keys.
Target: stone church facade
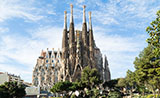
{"x": 78, "y": 51}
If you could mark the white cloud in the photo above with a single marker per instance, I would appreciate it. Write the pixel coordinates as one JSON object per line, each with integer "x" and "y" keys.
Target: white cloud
{"x": 126, "y": 13}
{"x": 25, "y": 50}
{"x": 116, "y": 43}
{"x": 3, "y": 30}
{"x": 139, "y": 9}
{"x": 120, "y": 51}
{"x": 51, "y": 35}
{"x": 15, "y": 8}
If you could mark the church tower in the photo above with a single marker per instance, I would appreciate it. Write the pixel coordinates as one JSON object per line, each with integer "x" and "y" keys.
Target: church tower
{"x": 65, "y": 51}
{"x": 72, "y": 47}
{"x": 106, "y": 72}
{"x": 85, "y": 41}
{"x": 91, "y": 42}
{"x": 65, "y": 38}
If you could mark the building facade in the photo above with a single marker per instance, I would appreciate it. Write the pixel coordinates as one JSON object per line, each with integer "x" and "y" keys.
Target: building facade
{"x": 6, "y": 77}
{"x": 78, "y": 51}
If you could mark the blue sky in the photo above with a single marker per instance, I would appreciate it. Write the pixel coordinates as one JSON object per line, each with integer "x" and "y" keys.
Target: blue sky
{"x": 28, "y": 26}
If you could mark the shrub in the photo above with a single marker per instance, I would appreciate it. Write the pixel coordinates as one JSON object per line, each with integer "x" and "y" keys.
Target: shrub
{"x": 114, "y": 94}
{"x": 152, "y": 96}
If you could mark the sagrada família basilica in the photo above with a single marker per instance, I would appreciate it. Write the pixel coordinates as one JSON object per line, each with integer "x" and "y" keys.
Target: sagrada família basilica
{"x": 78, "y": 51}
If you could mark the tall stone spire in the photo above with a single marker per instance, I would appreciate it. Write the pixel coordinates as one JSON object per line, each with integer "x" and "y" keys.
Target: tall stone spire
{"x": 65, "y": 38}
{"x": 71, "y": 42}
{"x": 85, "y": 41}
{"x": 107, "y": 74}
{"x": 91, "y": 38}
{"x": 84, "y": 28}
{"x": 71, "y": 29}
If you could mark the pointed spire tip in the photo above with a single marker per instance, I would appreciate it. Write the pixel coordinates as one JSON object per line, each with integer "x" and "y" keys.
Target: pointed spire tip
{"x": 71, "y": 17}
{"x": 65, "y": 19}
{"x": 84, "y": 16}
{"x": 71, "y": 5}
{"x": 84, "y": 6}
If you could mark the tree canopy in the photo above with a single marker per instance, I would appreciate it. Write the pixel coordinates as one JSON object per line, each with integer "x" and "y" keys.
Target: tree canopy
{"x": 12, "y": 90}
{"x": 90, "y": 77}
{"x": 154, "y": 40}
{"x": 147, "y": 65}
{"x": 154, "y": 32}
{"x": 65, "y": 86}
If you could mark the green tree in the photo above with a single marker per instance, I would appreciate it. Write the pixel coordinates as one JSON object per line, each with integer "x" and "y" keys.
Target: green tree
{"x": 12, "y": 90}
{"x": 131, "y": 81}
{"x": 114, "y": 94}
{"x": 112, "y": 84}
{"x": 64, "y": 87}
{"x": 154, "y": 40}
{"x": 148, "y": 69}
{"x": 122, "y": 83}
{"x": 90, "y": 77}
{"x": 154, "y": 32}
